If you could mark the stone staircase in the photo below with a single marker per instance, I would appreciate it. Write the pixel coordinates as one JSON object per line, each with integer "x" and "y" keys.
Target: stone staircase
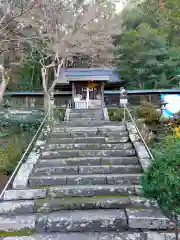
{"x": 85, "y": 186}
{"x": 86, "y": 115}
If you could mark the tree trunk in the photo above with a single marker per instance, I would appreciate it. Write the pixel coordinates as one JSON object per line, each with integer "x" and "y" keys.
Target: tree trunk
{"x": 2, "y": 90}
{"x": 47, "y": 101}
{"x": 3, "y": 82}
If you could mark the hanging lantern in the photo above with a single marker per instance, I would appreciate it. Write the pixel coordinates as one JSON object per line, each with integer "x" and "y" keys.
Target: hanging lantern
{"x": 92, "y": 85}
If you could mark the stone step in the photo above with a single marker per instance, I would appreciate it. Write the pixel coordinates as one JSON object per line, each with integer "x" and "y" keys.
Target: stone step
{"x": 76, "y": 140}
{"x": 125, "y": 235}
{"x": 89, "y": 146}
{"x": 79, "y": 114}
{"x": 72, "y": 191}
{"x": 45, "y": 205}
{"x": 95, "y": 220}
{"x": 98, "y": 109}
{"x": 88, "y": 161}
{"x": 90, "y": 179}
{"x": 87, "y": 119}
{"x": 104, "y": 128}
{"x": 83, "y": 221}
{"x": 121, "y": 202}
{"x": 94, "y": 190}
{"x": 89, "y": 134}
{"x": 97, "y": 169}
{"x": 95, "y": 123}
{"x": 88, "y": 111}
{"x": 83, "y": 114}
{"x": 87, "y": 153}
{"x": 88, "y": 140}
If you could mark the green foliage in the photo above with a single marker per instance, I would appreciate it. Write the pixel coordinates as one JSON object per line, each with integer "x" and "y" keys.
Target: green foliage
{"x": 59, "y": 114}
{"x": 148, "y": 52}
{"x": 148, "y": 112}
{"x": 162, "y": 180}
{"x": 178, "y": 114}
{"x": 14, "y": 140}
{"x": 9, "y": 156}
{"x": 30, "y": 71}
{"x": 116, "y": 114}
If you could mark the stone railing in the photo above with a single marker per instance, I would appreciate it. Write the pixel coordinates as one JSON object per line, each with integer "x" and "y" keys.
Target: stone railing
{"x": 143, "y": 152}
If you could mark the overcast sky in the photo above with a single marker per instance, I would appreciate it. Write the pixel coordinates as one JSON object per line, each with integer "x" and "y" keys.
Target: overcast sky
{"x": 119, "y": 4}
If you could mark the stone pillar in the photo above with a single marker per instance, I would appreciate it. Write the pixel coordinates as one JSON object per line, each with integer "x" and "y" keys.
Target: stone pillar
{"x": 123, "y": 97}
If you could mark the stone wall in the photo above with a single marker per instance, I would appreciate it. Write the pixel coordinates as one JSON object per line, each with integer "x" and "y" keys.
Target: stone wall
{"x": 139, "y": 146}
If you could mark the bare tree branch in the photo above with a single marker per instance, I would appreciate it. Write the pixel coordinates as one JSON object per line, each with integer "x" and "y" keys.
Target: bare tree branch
{"x": 66, "y": 28}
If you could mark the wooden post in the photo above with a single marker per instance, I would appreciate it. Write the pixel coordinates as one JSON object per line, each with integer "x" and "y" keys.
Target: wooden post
{"x": 27, "y": 102}
{"x": 102, "y": 94}
{"x": 73, "y": 90}
{"x": 73, "y": 93}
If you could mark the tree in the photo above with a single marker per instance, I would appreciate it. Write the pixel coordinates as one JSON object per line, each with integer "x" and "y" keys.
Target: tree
{"x": 58, "y": 31}
{"x": 145, "y": 59}
{"x": 148, "y": 49}
{"x": 11, "y": 33}
{"x": 67, "y": 29}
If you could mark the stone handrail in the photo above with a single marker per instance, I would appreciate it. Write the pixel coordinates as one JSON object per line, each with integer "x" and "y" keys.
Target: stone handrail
{"x": 144, "y": 154}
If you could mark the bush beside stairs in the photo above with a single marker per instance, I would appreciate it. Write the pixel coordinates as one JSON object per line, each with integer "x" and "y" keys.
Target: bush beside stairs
{"x": 85, "y": 186}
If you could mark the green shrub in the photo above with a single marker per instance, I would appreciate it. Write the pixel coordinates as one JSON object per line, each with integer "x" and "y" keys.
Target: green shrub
{"x": 116, "y": 114}
{"x": 59, "y": 114}
{"x": 177, "y": 119}
{"x": 162, "y": 180}
{"x": 10, "y": 155}
{"x": 148, "y": 112}
{"x": 178, "y": 114}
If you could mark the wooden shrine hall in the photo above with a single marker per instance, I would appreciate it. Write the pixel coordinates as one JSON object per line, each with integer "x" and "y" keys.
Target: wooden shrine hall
{"x": 88, "y": 84}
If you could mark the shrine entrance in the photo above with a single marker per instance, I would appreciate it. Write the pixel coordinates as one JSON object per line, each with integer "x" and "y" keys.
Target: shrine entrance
{"x": 88, "y": 95}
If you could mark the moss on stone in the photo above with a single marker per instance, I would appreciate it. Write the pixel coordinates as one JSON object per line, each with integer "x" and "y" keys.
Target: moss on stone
{"x": 25, "y": 232}
{"x": 88, "y": 198}
{"x": 75, "y": 199}
{"x": 115, "y": 196}
{"x": 136, "y": 208}
{"x": 41, "y": 187}
{"x": 43, "y": 200}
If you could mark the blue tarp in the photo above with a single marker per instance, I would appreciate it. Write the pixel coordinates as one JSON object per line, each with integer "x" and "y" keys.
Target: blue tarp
{"x": 172, "y": 104}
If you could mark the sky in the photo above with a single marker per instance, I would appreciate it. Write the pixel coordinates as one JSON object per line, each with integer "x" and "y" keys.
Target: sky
{"x": 119, "y": 4}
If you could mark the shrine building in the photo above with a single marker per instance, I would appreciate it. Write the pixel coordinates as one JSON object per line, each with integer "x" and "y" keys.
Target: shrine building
{"x": 88, "y": 85}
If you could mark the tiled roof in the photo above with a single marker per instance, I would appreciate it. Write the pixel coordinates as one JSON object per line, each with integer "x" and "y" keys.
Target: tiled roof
{"x": 110, "y": 72}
